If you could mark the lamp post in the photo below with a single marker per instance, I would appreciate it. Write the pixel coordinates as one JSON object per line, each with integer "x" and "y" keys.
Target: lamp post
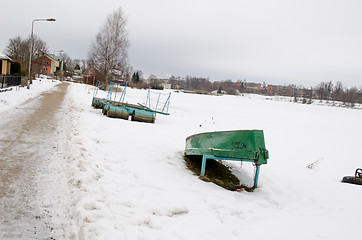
{"x": 31, "y": 45}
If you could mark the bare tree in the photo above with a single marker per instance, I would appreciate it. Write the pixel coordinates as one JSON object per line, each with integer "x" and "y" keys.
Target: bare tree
{"x": 109, "y": 50}
{"x": 68, "y": 66}
{"x": 351, "y": 96}
{"x": 324, "y": 90}
{"x": 77, "y": 64}
{"x": 38, "y": 45}
{"x": 127, "y": 73}
{"x": 18, "y": 50}
{"x": 338, "y": 91}
{"x": 153, "y": 80}
{"x": 84, "y": 65}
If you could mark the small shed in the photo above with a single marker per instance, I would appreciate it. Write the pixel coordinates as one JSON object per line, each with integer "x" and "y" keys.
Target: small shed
{"x": 166, "y": 85}
{"x": 5, "y": 64}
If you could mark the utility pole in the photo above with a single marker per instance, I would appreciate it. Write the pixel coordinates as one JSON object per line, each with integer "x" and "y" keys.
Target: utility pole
{"x": 31, "y": 46}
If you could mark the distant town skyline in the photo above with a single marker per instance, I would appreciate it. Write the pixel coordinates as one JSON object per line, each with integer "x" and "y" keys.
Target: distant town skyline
{"x": 277, "y": 42}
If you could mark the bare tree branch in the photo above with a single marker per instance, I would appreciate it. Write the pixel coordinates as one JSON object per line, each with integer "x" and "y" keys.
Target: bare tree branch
{"x": 108, "y": 52}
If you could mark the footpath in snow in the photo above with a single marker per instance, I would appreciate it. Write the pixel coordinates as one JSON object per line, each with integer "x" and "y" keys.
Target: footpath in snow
{"x": 34, "y": 198}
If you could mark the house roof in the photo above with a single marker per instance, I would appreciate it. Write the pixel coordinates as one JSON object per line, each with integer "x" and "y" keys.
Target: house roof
{"x": 50, "y": 56}
{"x": 58, "y": 58}
{"x": 4, "y": 57}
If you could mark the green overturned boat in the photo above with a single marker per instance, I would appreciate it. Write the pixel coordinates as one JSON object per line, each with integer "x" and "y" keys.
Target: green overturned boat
{"x": 238, "y": 145}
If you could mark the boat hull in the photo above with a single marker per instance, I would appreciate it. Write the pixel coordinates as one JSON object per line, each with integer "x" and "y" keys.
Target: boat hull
{"x": 351, "y": 179}
{"x": 241, "y": 144}
{"x": 98, "y": 103}
{"x": 125, "y": 111}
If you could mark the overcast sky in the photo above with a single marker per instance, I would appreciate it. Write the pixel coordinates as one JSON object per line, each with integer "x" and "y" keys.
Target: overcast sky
{"x": 300, "y": 42}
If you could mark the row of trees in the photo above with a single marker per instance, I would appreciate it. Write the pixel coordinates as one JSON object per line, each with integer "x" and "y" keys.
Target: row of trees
{"x": 18, "y": 50}
{"x": 338, "y": 92}
{"x": 323, "y": 91}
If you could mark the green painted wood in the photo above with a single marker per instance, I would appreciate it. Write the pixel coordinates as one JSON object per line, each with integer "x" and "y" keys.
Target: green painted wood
{"x": 126, "y": 110}
{"x": 245, "y": 144}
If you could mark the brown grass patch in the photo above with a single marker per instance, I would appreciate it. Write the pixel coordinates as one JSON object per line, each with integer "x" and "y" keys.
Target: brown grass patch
{"x": 215, "y": 172}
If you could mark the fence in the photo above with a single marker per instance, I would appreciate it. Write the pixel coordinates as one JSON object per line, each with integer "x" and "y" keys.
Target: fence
{"x": 8, "y": 81}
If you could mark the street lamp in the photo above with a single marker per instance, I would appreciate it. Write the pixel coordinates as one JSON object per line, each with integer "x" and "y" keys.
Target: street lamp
{"x": 31, "y": 45}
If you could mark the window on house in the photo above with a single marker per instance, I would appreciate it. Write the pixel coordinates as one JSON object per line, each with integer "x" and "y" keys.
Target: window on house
{"x": 45, "y": 69}
{"x": 46, "y": 63}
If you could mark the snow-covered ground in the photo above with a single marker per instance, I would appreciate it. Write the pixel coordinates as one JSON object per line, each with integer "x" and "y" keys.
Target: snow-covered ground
{"x": 19, "y": 95}
{"x": 128, "y": 180}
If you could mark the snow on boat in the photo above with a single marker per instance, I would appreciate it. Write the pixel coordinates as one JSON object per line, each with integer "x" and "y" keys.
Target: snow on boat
{"x": 238, "y": 145}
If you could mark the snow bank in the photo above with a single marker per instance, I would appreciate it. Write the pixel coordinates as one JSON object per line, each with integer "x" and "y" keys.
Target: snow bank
{"x": 19, "y": 95}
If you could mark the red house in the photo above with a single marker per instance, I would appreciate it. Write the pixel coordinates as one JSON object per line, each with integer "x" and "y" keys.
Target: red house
{"x": 90, "y": 76}
{"x": 48, "y": 64}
